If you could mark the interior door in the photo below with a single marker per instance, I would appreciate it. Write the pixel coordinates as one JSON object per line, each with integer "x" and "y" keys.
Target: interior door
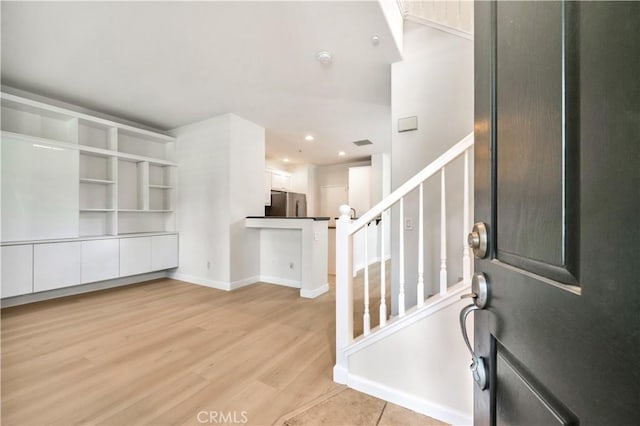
{"x": 557, "y": 131}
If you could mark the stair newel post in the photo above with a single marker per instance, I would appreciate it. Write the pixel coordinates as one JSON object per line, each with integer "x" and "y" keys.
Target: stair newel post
{"x": 443, "y": 233}
{"x": 466, "y": 225}
{"x": 383, "y": 276}
{"x": 401, "y": 310}
{"x": 420, "y": 289}
{"x": 344, "y": 292}
{"x": 366, "y": 320}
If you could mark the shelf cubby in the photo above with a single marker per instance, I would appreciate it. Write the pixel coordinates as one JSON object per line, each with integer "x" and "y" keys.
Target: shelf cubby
{"x": 28, "y": 119}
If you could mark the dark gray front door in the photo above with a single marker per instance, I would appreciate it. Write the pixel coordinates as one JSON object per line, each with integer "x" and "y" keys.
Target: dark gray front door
{"x": 557, "y": 159}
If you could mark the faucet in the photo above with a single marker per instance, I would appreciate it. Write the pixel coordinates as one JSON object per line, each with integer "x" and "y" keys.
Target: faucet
{"x": 352, "y": 213}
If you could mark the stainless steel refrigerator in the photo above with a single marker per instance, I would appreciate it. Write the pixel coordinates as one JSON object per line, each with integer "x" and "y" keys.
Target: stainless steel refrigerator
{"x": 288, "y": 204}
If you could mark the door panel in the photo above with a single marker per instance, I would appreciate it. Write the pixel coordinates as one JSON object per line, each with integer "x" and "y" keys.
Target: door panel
{"x": 532, "y": 47}
{"x": 557, "y": 150}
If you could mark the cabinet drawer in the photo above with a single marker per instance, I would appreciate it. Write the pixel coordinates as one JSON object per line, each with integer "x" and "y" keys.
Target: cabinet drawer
{"x": 56, "y": 265}
{"x": 164, "y": 252}
{"x": 17, "y": 270}
{"x": 100, "y": 260}
{"x": 135, "y": 256}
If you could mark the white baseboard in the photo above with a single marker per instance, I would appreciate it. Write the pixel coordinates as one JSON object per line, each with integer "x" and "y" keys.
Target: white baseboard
{"x": 403, "y": 399}
{"x": 340, "y": 374}
{"x": 244, "y": 282}
{"x": 312, "y": 294}
{"x": 80, "y": 289}
{"x": 280, "y": 281}
{"x": 205, "y": 282}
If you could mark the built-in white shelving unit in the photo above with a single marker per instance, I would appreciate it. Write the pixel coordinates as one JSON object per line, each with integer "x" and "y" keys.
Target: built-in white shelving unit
{"x": 78, "y": 191}
{"x": 122, "y": 171}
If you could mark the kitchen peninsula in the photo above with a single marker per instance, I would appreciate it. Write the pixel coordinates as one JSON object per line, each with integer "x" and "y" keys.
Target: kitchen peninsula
{"x": 293, "y": 252}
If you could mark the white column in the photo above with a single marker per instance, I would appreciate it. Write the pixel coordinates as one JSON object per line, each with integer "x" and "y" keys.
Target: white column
{"x": 443, "y": 233}
{"x": 344, "y": 293}
{"x": 420, "y": 289}
{"x": 401, "y": 258}
{"x": 466, "y": 225}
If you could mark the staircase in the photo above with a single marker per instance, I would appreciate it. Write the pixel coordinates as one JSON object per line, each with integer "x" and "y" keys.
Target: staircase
{"x": 415, "y": 358}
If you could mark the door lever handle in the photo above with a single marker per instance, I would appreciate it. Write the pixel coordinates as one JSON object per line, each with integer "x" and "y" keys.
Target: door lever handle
{"x": 480, "y": 297}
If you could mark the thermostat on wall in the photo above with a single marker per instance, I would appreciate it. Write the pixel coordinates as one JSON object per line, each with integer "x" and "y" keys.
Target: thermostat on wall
{"x": 408, "y": 123}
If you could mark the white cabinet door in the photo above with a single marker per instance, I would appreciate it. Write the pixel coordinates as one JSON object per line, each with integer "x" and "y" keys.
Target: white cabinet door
{"x": 267, "y": 188}
{"x": 164, "y": 252}
{"x": 281, "y": 181}
{"x": 17, "y": 270}
{"x": 40, "y": 197}
{"x": 56, "y": 265}
{"x": 100, "y": 260}
{"x": 135, "y": 256}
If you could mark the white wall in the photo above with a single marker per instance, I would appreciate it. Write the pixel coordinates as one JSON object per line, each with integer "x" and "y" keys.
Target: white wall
{"x": 220, "y": 182}
{"x": 246, "y": 195}
{"x": 435, "y": 83}
{"x": 336, "y": 175}
{"x": 429, "y": 375}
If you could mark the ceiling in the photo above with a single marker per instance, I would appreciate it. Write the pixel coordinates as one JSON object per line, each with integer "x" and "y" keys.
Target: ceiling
{"x": 167, "y": 64}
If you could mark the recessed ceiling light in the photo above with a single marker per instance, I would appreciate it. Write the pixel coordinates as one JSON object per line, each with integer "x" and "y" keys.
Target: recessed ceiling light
{"x": 342, "y": 153}
{"x": 286, "y": 160}
{"x": 309, "y": 138}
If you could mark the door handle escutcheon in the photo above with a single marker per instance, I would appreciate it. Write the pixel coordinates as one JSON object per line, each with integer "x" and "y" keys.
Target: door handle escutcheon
{"x": 480, "y": 295}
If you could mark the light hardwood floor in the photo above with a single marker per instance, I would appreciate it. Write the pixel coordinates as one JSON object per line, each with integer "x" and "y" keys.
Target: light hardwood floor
{"x": 161, "y": 352}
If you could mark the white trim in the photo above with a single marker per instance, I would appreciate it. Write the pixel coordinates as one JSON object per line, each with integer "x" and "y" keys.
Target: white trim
{"x": 406, "y": 400}
{"x": 340, "y": 374}
{"x": 431, "y": 306}
{"x": 438, "y": 26}
{"x": 205, "y": 282}
{"x": 80, "y": 289}
{"x": 244, "y": 282}
{"x": 312, "y": 294}
{"x": 280, "y": 281}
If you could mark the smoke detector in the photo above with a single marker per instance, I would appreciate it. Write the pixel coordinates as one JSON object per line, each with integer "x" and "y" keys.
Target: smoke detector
{"x": 324, "y": 57}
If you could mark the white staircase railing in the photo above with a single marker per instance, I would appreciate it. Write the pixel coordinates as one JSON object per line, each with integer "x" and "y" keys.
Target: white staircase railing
{"x": 346, "y": 229}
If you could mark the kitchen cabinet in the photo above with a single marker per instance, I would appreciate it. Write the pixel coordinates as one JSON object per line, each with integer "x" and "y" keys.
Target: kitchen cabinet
{"x": 17, "y": 270}
{"x": 280, "y": 181}
{"x": 267, "y": 188}
{"x": 135, "y": 256}
{"x": 164, "y": 252}
{"x": 100, "y": 260}
{"x": 56, "y": 265}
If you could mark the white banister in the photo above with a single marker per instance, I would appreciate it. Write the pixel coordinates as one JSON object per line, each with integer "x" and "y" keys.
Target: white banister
{"x": 383, "y": 284}
{"x": 443, "y": 233}
{"x": 344, "y": 293}
{"x": 366, "y": 320}
{"x": 420, "y": 288}
{"x": 346, "y": 230}
{"x": 466, "y": 224}
{"x": 433, "y": 168}
{"x": 401, "y": 310}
